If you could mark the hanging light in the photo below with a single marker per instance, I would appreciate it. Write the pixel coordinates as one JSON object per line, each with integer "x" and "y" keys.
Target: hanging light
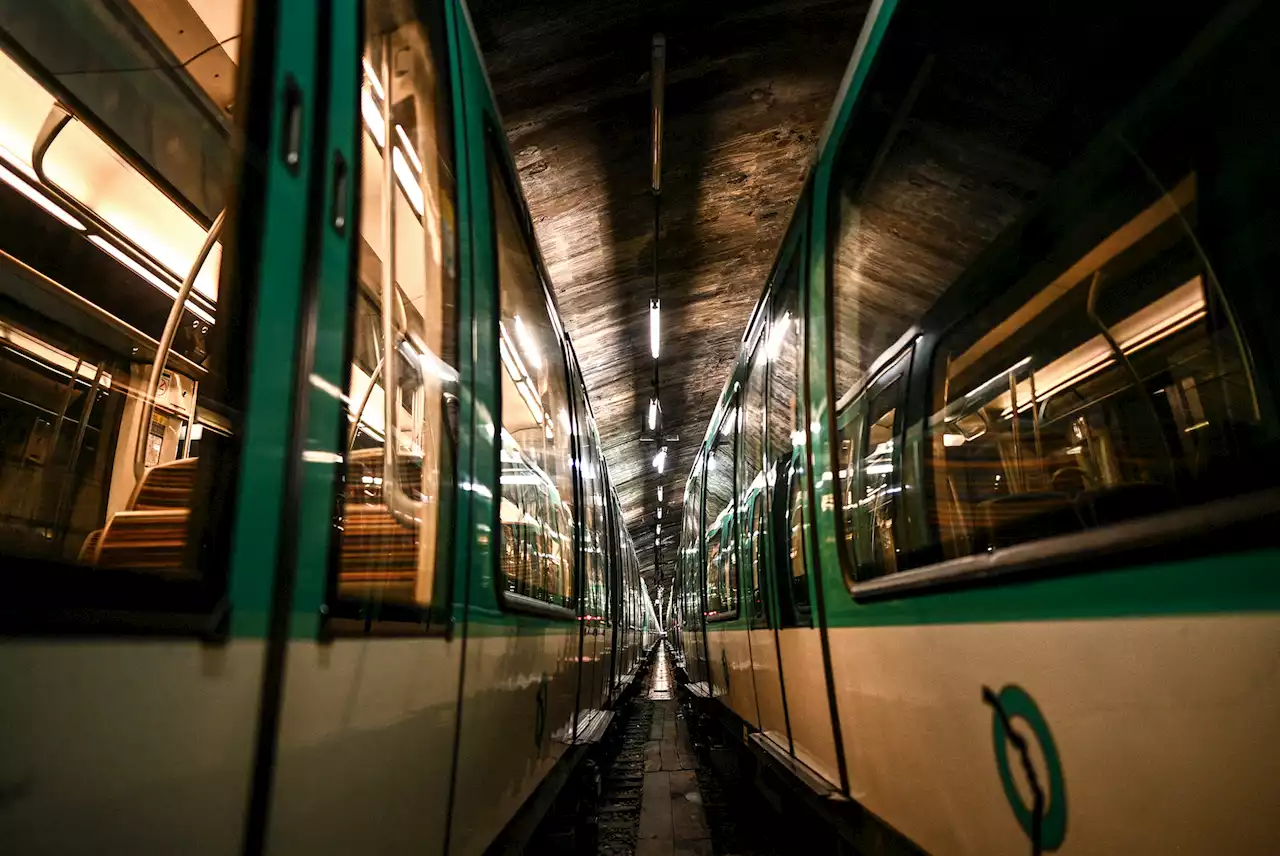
{"x": 653, "y": 414}
{"x": 659, "y": 493}
{"x": 655, "y": 306}
{"x": 659, "y": 512}
{"x": 660, "y": 460}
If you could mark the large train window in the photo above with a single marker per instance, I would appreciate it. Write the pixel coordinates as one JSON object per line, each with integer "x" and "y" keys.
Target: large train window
{"x": 965, "y": 120}
{"x": 117, "y": 157}
{"x": 537, "y": 503}
{"x": 786, "y": 422}
{"x": 719, "y": 522}
{"x": 1118, "y": 385}
{"x": 403, "y": 386}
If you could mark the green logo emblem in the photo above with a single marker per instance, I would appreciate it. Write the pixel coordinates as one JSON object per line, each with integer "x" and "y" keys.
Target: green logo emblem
{"x": 1045, "y": 820}
{"x": 540, "y": 713}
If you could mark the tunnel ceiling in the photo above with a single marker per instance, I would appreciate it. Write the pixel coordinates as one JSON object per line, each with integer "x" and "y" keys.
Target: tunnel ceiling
{"x": 749, "y": 86}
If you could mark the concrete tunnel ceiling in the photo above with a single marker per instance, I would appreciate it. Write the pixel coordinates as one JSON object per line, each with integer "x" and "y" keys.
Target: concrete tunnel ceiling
{"x": 749, "y": 86}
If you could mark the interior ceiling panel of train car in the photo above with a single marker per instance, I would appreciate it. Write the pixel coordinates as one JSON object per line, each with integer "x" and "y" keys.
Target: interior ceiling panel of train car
{"x": 748, "y": 87}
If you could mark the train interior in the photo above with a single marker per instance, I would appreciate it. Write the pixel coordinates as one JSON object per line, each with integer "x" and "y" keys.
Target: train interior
{"x": 106, "y": 207}
{"x": 117, "y": 161}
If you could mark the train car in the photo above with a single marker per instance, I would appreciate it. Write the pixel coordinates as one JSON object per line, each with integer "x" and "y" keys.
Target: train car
{"x": 1010, "y": 393}
{"x": 308, "y": 545}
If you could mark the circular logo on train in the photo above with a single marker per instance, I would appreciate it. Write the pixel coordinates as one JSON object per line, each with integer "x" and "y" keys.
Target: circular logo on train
{"x": 1017, "y": 729}
{"x": 540, "y": 713}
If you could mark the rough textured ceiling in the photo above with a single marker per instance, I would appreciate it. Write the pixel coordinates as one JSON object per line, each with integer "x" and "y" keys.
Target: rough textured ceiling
{"x": 749, "y": 86}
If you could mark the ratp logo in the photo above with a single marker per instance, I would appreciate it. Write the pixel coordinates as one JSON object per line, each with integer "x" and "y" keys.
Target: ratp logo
{"x": 1045, "y": 820}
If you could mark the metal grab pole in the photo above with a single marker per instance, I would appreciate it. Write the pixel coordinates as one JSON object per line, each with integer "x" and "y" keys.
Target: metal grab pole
{"x": 403, "y": 509}
{"x": 166, "y": 342}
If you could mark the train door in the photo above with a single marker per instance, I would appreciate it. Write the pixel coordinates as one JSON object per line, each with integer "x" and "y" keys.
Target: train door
{"x": 156, "y": 163}
{"x": 368, "y": 715}
{"x": 803, "y": 680}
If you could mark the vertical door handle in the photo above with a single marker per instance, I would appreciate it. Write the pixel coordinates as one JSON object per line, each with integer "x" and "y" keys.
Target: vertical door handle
{"x": 291, "y": 130}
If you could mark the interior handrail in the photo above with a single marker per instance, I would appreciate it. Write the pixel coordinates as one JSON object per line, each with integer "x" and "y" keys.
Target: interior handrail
{"x": 404, "y": 509}
{"x": 166, "y": 341}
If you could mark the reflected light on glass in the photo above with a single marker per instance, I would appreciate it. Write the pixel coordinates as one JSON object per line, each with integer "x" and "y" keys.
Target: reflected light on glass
{"x": 528, "y": 346}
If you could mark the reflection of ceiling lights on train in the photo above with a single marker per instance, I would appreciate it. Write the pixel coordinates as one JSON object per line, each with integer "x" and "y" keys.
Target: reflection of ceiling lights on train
{"x": 1174, "y": 311}
{"x": 518, "y": 373}
{"x": 528, "y": 346}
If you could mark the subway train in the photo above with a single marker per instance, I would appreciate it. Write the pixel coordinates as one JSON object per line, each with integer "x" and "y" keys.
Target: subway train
{"x": 308, "y": 545}
{"x": 979, "y": 554}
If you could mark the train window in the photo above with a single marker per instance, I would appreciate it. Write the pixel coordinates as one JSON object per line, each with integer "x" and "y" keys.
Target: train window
{"x": 797, "y": 519}
{"x": 719, "y": 522}
{"x": 752, "y": 485}
{"x": 1117, "y": 387}
{"x": 117, "y": 160}
{"x": 786, "y": 419}
{"x": 403, "y": 384}
{"x": 692, "y": 538}
{"x": 958, "y": 132}
{"x": 591, "y": 470}
{"x": 878, "y": 461}
{"x": 537, "y": 502}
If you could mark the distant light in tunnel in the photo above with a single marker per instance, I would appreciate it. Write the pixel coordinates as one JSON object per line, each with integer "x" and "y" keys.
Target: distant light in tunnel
{"x": 660, "y": 460}
{"x": 653, "y": 414}
{"x": 655, "y": 307}
{"x": 659, "y": 493}
{"x": 659, "y": 512}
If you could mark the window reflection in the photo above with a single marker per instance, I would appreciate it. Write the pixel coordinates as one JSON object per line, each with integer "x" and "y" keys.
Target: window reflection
{"x": 1118, "y": 389}
{"x": 537, "y": 504}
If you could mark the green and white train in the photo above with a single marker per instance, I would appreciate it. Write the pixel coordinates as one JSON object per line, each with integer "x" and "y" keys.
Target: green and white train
{"x": 979, "y": 553}
{"x": 307, "y": 545}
